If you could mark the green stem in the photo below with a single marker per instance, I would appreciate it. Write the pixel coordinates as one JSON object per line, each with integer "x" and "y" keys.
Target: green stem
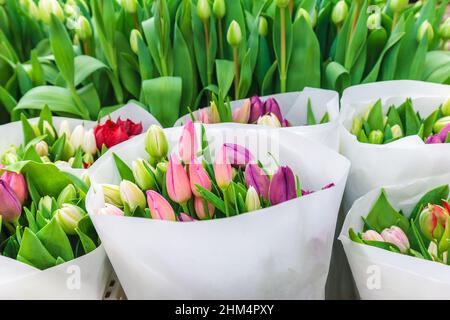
{"x": 219, "y": 27}
{"x": 136, "y": 22}
{"x": 283, "y": 50}
{"x": 236, "y": 72}
{"x": 209, "y": 74}
{"x": 86, "y": 49}
{"x": 356, "y": 15}
{"x": 395, "y": 20}
{"x": 10, "y": 228}
{"x": 185, "y": 208}
{"x": 227, "y": 202}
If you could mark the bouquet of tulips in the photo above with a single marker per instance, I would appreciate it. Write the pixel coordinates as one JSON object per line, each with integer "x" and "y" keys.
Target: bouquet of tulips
{"x": 404, "y": 237}
{"x": 225, "y": 202}
{"x": 44, "y": 226}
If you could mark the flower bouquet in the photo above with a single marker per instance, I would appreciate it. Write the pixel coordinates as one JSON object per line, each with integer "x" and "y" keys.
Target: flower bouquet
{"x": 223, "y": 211}
{"x": 313, "y": 112}
{"x": 397, "y": 241}
{"x": 46, "y": 237}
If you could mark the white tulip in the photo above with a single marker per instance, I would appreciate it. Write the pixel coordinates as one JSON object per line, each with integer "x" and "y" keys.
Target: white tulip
{"x": 64, "y": 128}
{"x": 269, "y": 120}
{"x": 89, "y": 143}
{"x": 77, "y": 137}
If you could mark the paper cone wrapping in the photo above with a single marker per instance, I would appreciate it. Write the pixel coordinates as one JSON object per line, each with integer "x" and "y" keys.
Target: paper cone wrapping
{"x": 282, "y": 252}
{"x": 293, "y": 107}
{"x": 381, "y": 274}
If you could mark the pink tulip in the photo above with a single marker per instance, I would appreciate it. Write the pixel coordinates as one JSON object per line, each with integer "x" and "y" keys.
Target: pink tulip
{"x": 188, "y": 142}
{"x": 204, "y": 116}
{"x": 242, "y": 114}
{"x": 256, "y": 177}
{"x": 371, "y": 235}
{"x": 238, "y": 156}
{"x": 396, "y": 236}
{"x": 285, "y": 123}
{"x": 183, "y": 217}
{"x": 17, "y": 183}
{"x": 10, "y": 208}
{"x": 200, "y": 210}
{"x": 159, "y": 207}
{"x": 198, "y": 176}
{"x": 222, "y": 169}
{"x": 282, "y": 187}
{"x": 110, "y": 210}
{"x": 256, "y": 110}
{"x": 177, "y": 181}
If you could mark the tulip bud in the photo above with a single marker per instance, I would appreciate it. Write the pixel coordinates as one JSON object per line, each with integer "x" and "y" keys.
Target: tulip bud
{"x": 83, "y": 28}
{"x": 396, "y": 131}
{"x": 17, "y": 183}
{"x": 183, "y": 217}
{"x": 356, "y": 126}
{"x": 131, "y": 195}
{"x": 339, "y": 13}
{"x": 64, "y": 129}
{"x": 156, "y": 142}
{"x": 41, "y": 148}
{"x": 68, "y": 195}
{"x": 177, "y": 181}
{"x": 33, "y": 10}
{"x": 222, "y": 169}
{"x": 10, "y": 207}
{"x": 219, "y": 8}
{"x": 257, "y": 109}
{"x": 198, "y": 176}
{"x": 9, "y": 158}
{"x": 203, "y": 10}
{"x": 282, "y": 3}
{"x": 49, "y": 7}
{"x": 444, "y": 29}
{"x": 238, "y": 156}
{"x": 36, "y": 130}
{"x": 425, "y": 29}
{"x": 129, "y": 6}
{"x": 303, "y": 13}
{"x": 68, "y": 151}
{"x": 68, "y": 217}
{"x": 269, "y": 120}
{"x": 441, "y": 123}
{"x": 144, "y": 179}
{"x": 398, "y": 5}
{"x": 432, "y": 221}
{"x": 161, "y": 169}
{"x": 376, "y": 137}
{"x": 159, "y": 208}
{"x": 446, "y": 107}
{"x": 89, "y": 143}
{"x": 49, "y": 131}
{"x": 215, "y": 116}
{"x": 70, "y": 9}
{"x": 234, "y": 34}
{"x": 110, "y": 210}
{"x": 374, "y": 21}
{"x": 396, "y": 236}
{"x": 262, "y": 26}
{"x": 204, "y": 116}
{"x": 134, "y": 37}
{"x": 188, "y": 143}
{"x": 46, "y": 205}
{"x": 45, "y": 159}
{"x": 112, "y": 195}
{"x": 252, "y": 202}
{"x": 77, "y": 138}
{"x": 85, "y": 178}
{"x": 203, "y": 209}
{"x": 371, "y": 235}
{"x": 271, "y": 107}
{"x": 242, "y": 114}
{"x": 256, "y": 177}
{"x": 282, "y": 187}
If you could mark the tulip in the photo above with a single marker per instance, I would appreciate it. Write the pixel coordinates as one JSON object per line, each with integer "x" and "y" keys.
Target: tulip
{"x": 396, "y": 236}
{"x": 161, "y": 169}
{"x": 68, "y": 195}
{"x": 396, "y": 131}
{"x": 398, "y": 5}
{"x": 49, "y": 7}
{"x": 432, "y": 221}
{"x": 183, "y": 217}
{"x": 134, "y": 37}
{"x": 159, "y": 208}
{"x": 41, "y": 148}
{"x": 188, "y": 143}
{"x": 83, "y": 28}
{"x": 441, "y": 123}
{"x": 49, "y": 132}
{"x": 444, "y": 30}
{"x": 89, "y": 144}
{"x": 10, "y": 207}
{"x": 112, "y": 195}
{"x": 242, "y": 114}
{"x": 234, "y": 34}
{"x": 64, "y": 129}
{"x": 374, "y": 21}
{"x": 215, "y": 115}
{"x": 256, "y": 109}
{"x": 110, "y": 210}
{"x": 18, "y": 185}
{"x": 33, "y": 11}
{"x": 286, "y": 124}
{"x": 238, "y": 156}
{"x": 222, "y": 169}
{"x": 77, "y": 137}
{"x": 433, "y": 139}
{"x": 371, "y": 235}
{"x": 282, "y": 187}
{"x": 271, "y": 107}
{"x": 177, "y": 181}
{"x": 131, "y": 195}
{"x": 256, "y": 177}
{"x": 203, "y": 209}
{"x": 131, "y": 128}
{"x": 446, "y": 105}
{"x": 376, "y": 137}
{"x": 339, "y": 13}
{"x": 88, "y": 160}
{"x": 85, "y": 178}
{"x": 204, "y": 116}
{"x": 262, "y": 26}
{"x": 444, "y": 133}
{"x": 282, "y": 3}
{"x": 129, "y": 6}
{"x": 425, "y": 29}
{"x": 203, "y": 10}
{"x": 36, "y": 130}
{"x": 198, "y": 176}
{"x": 269, "y": 120}
{"x": 219, "y": 9}
{"x": 46, "y": 205}
{"x": 252, "y": 202}
{"x": 302, "y": 13}
{"x": 144, "y": 178}
{"x": 156, "y": 142}
{"x": 68, "y": 217}
{"x": 356, "y": 126}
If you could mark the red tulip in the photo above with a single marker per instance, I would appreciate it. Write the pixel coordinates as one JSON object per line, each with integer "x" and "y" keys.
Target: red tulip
{"x": 112, "y": 133}
{"x": 131, "y": 128}
{"x": 18, "y": 185}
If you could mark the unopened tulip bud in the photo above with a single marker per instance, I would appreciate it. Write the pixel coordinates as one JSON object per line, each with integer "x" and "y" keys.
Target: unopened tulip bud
{"x": 282, "y": 3}
{"x": 110, "y": 210}
{"x": 396, "y": 236}
{"x": 17, "y": 183}
{"x": 198, "y": 177}
{"x": 425, "y": 29}
{"x": 177, "y": 181}
{"x": 33, "y": 10}
{"x": 282, "y": 187}
{"x": 269, "y": 120}
{"x": 398, "y": 5}
{"x": 130, "y": 6}
{"x": 161, "y": 169}
{"x": 77, "y": 137}
{"x": 203, "y": 209}
{"x": 49, "y": 7}
{"x": 64, "y": 129}
{"x": 203, "y": 10}
{"x": 70, "y": 9}
{"x": 144, "y": 179}
{"x": 68, "y": 195}
{"x": 131, "y": 195}
{"x": 46, "y": 205}
{"x": 256, "y": 177}
{"x": 68, "y": 217}
{"x": 10, "y": 207}
{"x": 156, "y": 142}
{"x": 9, "y": 158}
{"x": 215, "y": 116}
{"x": 446, "y": 107}
{"x": 252, "y": 202}
{"x": 303, "y": 13}
{"x": 112, "y": 195}
{"x": 49, "y": 131}
{"x": 234, "y": 34}
{"x": 88, "y": 160}
{"x": 441, "y": 123}
{"x": 339, "y": 13}
{"x": 219, "y": 8}
{"x": 41, "y": 148}
{"x": 68, "y": 151}
{"x": 83, "y": 28}
{"x": 432, "y": 221}
{"x": 444, "y": 30}
{"x": 374, "y": 21}
{"x": 188, "y": 143}
{"x": 376, "y": 137}
{"x": 262, "y": 26}
{"x": 89, "y": 143}
{"x": 238, "y": 155}
{"x": 134, "y": 38}
{"x": 159, "y": 207}
{"x": 371, "y": 235}
{"x": 222, "y": 169}
{"x": 85, "y": 178}
{"x": 396, "y": 131}
{"x": 242, "y": 114}
{"x": 271, "y": 106}
{"x": 183, "y": 217}
{"x": 356, "y": 126}
{"x": 36, "y": 130}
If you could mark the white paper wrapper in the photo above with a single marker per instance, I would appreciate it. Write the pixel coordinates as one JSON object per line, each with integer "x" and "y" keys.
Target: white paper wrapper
{"x": 281, "y": 252}
{"x": 380, "y": 274}
{"x": 293, "y": 107}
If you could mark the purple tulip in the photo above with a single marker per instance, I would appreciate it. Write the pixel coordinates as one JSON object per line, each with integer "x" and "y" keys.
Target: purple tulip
{"x": 271, "y": 106}
{"x": 238, "y": 155}
{"x": 256, "y": 109}
{"x": 285, "y": 123}
{"x": 256, "y": 177}
{"x": 183, "y": 217}
{"x": 433, "y": 139}
{"x": 10, "y": 207}
{"x": 444, "y": 132}
{"x": 282, "y": 187}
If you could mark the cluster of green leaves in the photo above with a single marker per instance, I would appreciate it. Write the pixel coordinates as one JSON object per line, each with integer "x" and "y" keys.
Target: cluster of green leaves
{"x": 401, "y": 121}
{"x": 38, "y": 239}
{"x": 383, "y": 215}
{"x": 179, "y": 57}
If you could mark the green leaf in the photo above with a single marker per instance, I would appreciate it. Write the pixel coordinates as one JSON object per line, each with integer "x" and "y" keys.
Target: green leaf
{"x": 336, "y": 77}
{"x": 412, "y": 123}
{"x": 211, "y": 197}
{"x": 86, "y": 66}
{"x": 62, "y": 50}
{"x": 28, "y": 132}
{"x": 429, "y": 123}
{"x": 55, "y": 240}
{"x": 31, "y": 220}
{"x": 375, "y": 118}
{"x": 416, "y": 238}
{"x": 225, "y": 75}
{"x": 88, "y": 244}
{"x": 310, "y": 118}
{"x": 394, "y": 118}
{"x": 125, "y": 171}
{"x": 354, "y": 237}
{"x": 33, "y": 252}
